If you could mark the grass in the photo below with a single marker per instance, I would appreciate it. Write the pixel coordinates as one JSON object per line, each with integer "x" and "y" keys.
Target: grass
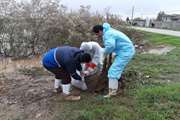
{"x": 153, "y": 93}
{"x": 156, "y": 66}
{"x": 162, "y": 39}
{"x": 159, "y": 103}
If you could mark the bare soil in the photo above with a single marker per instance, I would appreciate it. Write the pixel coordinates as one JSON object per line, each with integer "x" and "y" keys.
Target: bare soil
{"x": 26, "y": 90}
{"x": 23, "y": 95}
{"x": 160, "y": 50}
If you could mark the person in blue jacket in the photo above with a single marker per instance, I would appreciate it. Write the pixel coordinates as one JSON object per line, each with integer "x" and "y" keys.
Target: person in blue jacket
{"x": 118, "y": 43}
{"x": 63, "y": 63}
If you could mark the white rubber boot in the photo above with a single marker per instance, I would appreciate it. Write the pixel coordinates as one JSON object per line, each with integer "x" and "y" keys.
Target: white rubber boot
{"x": 66, "y": 89}
{"x": 113, "y": 87}
{"x": 66, "y": 93}
{"x": 57, "y": 85}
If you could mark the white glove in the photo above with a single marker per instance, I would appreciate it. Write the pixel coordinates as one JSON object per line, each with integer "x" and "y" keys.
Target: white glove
{"x": 86, "y": 73}
{"x": 79, "y": 84}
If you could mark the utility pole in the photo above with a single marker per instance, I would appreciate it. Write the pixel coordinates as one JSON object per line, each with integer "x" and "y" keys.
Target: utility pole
{"x": 132, "y": 17}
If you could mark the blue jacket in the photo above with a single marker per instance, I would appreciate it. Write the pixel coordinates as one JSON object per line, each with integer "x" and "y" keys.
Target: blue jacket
{"x": 116, "y": 41}
{"x": 64, "y": 57}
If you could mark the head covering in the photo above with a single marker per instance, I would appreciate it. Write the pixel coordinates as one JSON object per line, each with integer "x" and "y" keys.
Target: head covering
{"x": 106, "y": 26}
{"x": 86, "y": 46}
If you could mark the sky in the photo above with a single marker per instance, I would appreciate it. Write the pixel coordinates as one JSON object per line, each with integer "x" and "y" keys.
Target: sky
{"x": 142, "y": 8}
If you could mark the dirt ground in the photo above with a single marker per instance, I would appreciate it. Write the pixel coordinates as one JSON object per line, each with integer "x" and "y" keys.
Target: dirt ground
{"x": 26, "y": 91}
{"x": 25, "y": 96}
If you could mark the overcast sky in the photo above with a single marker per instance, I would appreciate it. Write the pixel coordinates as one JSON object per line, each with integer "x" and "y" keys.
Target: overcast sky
{"x": 143, "y": 8}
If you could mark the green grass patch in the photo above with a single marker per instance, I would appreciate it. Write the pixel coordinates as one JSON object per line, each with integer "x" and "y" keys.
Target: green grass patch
{"x": 159, "y": 94}
{"x": 162, "y": 39}
{"x": 158, "y": 103}
{"x": 154, "y": 69}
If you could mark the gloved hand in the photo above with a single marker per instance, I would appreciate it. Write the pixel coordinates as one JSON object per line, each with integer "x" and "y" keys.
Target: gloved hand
{"x": 86, "y": 73}
{"x": 82, "y": 74}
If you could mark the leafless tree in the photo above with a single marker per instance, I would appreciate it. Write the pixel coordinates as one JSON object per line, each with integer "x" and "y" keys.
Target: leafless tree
{"x": 31, "y": 27}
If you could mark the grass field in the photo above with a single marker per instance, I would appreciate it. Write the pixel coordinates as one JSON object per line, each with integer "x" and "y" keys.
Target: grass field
{"x": 162, "y": 39}
{"x": 153, "y": 93}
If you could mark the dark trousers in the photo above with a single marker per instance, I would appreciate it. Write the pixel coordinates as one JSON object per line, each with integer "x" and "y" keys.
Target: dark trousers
{"x": 61, "y": 74}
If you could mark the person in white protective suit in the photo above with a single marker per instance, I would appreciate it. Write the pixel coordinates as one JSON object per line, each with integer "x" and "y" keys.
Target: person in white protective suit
{"x": 118, "y": 43}
{"x": 96, "y": 52}
{"x": 88, "y": 69}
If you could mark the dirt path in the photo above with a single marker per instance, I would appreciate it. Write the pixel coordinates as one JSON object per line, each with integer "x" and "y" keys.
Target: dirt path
{"x": 160, "y": 31}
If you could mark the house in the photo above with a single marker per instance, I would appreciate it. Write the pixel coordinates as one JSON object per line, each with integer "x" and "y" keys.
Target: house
{"x": 167, "y": 21}
{"x": 170, "y": 18}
